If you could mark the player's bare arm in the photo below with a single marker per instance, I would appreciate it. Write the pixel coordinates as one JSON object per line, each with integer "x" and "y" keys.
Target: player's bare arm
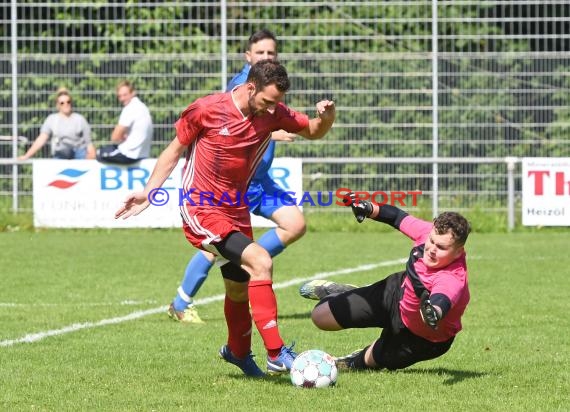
{"x": 136, "y": 202}
{"x": 321, "y": 124}
{"x": 283, "y": 136}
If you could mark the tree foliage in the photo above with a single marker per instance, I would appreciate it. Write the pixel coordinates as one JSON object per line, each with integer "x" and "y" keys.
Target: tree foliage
{"x": 372, "y": 58}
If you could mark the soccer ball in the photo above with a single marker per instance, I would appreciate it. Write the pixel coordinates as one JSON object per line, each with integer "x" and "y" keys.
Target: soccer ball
{"x": 313, "y": 369}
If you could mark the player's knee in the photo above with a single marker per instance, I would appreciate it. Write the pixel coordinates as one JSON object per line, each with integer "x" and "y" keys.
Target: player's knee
{"x": 294, "y": 230}
{"x": 298, "y": 228}
{"x": 323, "y": 318}
{"x": 264, "y": 265}
{"x": 316, "y": 318}
{"x": 260, "y": 267}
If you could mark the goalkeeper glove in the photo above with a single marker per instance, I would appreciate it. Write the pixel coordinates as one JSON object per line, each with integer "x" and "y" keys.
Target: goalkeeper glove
{"x": 360, "y": 208}
{"x": 429, "y": 313}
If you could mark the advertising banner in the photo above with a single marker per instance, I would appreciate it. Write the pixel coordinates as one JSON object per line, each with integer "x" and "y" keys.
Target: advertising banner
{"x": 86, "y": 193}
{"x": 546, "y": 191}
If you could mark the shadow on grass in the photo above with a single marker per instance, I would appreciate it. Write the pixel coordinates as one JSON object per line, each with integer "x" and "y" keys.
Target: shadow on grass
{"x": 282, "y": 379}
{"x": 304, "y": 315}
{"x": 452, "y": 376}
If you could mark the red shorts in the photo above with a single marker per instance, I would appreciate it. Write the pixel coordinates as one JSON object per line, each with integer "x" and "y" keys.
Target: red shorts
{"x": 205, "y": 226}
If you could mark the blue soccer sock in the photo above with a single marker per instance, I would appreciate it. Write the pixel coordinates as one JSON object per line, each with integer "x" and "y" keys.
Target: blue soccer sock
{"x": 195, "y": 274}
{"x": 271, "y": 242}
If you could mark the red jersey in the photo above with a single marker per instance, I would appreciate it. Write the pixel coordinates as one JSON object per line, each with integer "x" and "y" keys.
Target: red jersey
{"x": 225, "y": 148}
{"x": 450, "y": 281}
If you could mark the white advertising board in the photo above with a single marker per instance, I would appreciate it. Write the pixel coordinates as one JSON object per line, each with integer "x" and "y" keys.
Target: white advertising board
{"x": 86, "y": 193}
{"x": 546, "y": 191}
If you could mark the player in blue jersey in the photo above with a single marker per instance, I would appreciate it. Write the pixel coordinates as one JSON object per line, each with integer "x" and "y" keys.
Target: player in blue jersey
{"x": 265, "y": 196}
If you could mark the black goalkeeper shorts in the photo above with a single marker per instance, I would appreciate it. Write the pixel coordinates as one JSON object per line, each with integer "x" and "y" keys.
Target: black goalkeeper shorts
{"x": 377, "y": 305}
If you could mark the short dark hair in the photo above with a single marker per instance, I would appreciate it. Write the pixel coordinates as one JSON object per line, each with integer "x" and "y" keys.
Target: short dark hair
{"x": 260, "y": 35}
{"x": 267, "y": 72}
{"x": 455, "y": 223}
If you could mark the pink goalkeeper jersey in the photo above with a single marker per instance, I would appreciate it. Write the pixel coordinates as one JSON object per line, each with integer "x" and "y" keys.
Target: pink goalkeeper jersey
{"x": 450, "y": 281}
{"x": 225, "y": 148}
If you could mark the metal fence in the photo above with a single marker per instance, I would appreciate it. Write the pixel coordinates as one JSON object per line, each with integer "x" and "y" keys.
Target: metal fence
{"x": 411, "y": 79}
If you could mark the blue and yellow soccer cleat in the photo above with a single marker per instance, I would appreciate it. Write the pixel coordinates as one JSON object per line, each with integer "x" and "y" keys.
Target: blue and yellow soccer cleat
{"x": 188, "y": 315}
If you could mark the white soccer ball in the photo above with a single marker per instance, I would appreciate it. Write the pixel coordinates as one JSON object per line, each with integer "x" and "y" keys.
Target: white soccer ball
{"x": 313, "y": 369}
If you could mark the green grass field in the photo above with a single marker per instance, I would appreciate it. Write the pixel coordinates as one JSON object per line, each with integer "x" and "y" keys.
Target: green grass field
{"x": 83, "y": 327}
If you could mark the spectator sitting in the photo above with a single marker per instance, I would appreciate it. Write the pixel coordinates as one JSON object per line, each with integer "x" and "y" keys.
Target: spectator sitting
{"x": 69, "y": 132}
{"x": 131, "y": 137}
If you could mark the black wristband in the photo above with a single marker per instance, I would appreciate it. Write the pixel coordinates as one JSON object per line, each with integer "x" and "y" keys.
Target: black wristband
{"x": 391, "y": 215}
{"x": 442, "y": 301}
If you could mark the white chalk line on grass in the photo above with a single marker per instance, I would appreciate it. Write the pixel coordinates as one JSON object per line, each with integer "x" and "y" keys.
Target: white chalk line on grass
{"x": 35, "y": 337}
{"x": 82, "y": 304}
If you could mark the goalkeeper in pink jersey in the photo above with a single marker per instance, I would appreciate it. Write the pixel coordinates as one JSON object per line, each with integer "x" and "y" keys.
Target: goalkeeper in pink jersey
{"x": 419, "y": 309}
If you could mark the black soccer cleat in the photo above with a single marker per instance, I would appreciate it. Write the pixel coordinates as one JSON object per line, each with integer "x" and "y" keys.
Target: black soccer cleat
{"x": 318, "y": 289}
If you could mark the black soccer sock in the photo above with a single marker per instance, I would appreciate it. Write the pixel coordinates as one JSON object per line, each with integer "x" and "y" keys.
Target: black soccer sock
{"x": 358, "y": 362}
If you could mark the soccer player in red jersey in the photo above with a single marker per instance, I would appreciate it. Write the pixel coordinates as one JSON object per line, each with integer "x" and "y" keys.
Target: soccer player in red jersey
{"x": 225, "y": 136}
{"x": 266, "y": 195}
{"x": 418, "y": 309}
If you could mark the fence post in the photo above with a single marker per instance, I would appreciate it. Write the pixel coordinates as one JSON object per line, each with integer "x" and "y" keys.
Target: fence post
{"x": 224, "y": 43}
{"x": 511, "y": 162}
{"x": 435, "y": 109}
{"x": 14, "y": 58}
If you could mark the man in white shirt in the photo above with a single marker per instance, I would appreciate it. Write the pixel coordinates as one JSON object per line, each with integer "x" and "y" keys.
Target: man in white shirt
{"x": 133, "y": 134}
